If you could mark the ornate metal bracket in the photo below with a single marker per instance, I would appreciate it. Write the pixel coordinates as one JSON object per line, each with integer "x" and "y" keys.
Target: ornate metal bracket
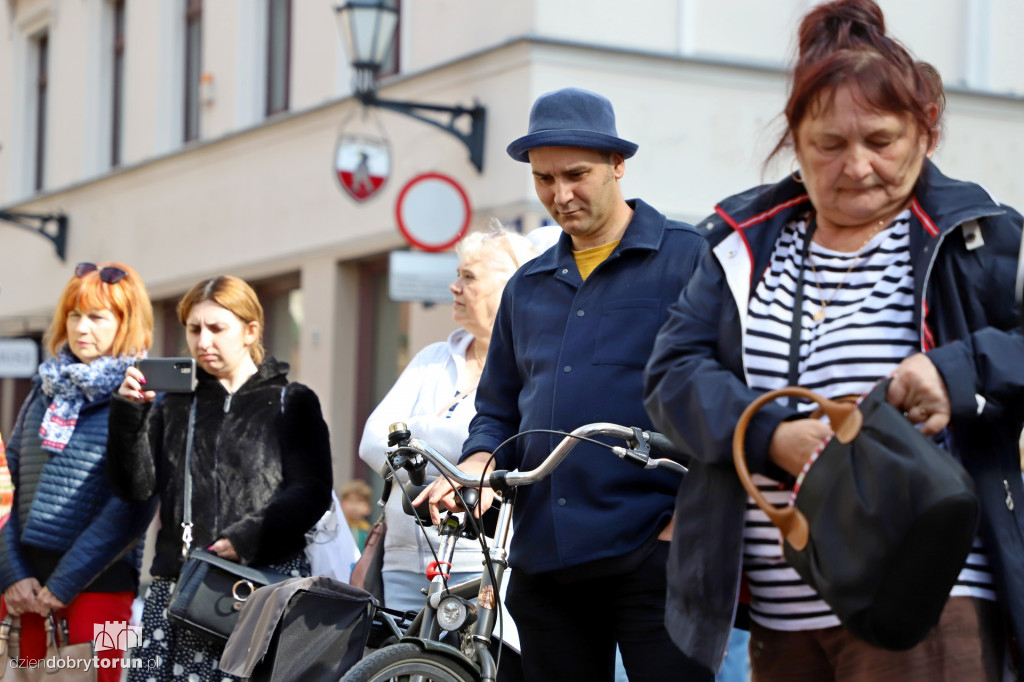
{"x": 474, "y": 140}
{"x": 51, "y": 226}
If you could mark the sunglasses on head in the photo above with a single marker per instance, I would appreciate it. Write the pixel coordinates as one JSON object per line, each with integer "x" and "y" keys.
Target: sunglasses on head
{"x": 498, "y": 234}
{"x": 109, "y": 274}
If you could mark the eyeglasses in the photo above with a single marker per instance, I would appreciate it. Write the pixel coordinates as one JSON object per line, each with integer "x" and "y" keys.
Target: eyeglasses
{"x": 109, "y": 274}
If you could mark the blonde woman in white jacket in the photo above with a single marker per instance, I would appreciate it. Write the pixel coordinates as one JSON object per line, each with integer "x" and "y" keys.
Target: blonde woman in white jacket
{"x": 435, "y": 397}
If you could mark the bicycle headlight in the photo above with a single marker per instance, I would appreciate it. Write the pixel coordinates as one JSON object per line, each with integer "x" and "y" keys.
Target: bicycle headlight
{"x": 454, "y": 613}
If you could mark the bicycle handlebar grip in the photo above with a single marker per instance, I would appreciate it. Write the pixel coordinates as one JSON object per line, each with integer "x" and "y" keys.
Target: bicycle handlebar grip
{"x": 417, "y": 475}
{"x": 422, "y": 512}
{"x": 663, "y": 447}
{"x": 470, "y": 497}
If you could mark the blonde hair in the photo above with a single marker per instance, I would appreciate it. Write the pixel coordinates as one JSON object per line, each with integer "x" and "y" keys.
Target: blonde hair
{"x": 127, "y": 299}
{"x": 233, "y": 294}
{"x": 517, "y": 248}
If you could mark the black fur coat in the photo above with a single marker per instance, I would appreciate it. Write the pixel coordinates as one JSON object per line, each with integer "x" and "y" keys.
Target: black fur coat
{"x": 261, "y": 470}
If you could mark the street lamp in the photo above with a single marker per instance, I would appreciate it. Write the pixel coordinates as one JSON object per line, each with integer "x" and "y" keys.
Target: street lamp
{"x": 368, "y": 30}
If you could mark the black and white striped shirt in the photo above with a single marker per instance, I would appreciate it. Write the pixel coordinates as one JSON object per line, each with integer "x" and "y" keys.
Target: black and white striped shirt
{"x": 857, "y": 325}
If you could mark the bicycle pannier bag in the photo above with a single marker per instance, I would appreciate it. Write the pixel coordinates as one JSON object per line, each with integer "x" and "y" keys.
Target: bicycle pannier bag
{"x": 304, "y": 630}
{"x": 881, "y": 523}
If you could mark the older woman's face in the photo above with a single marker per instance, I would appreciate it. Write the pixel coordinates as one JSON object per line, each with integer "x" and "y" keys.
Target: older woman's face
{"x": 859, "y": 165}
{"x": 91, "y": 333}
{"x": 477, "y": 289}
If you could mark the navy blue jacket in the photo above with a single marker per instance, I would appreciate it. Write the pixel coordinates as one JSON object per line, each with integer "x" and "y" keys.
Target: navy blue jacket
{"x": 564, "y": 353}
{"x": 72, "y": 509}
{"x": 964, "y": 252}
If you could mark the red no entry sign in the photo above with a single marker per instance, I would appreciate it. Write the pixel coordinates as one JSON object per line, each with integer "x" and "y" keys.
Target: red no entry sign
{"x": 433, "y": 212}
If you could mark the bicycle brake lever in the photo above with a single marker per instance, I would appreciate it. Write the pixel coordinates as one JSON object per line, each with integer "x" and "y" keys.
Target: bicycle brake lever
{"x": 389, "y": 478}
{"x": 634, "y": 455}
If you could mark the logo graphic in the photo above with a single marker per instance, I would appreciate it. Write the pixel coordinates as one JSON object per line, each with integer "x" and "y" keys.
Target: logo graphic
{"x": 362, "y": 164}
{"x": 116, "y": 635}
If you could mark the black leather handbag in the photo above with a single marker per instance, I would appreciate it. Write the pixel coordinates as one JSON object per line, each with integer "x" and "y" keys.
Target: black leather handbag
{"x": 882, "y": 521}
{"x": 211, "y": 591}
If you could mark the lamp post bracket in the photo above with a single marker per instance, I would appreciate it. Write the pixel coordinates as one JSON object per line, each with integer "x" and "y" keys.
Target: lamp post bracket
{"x": 51, "y": 226}
{"x": 474, "y": 139}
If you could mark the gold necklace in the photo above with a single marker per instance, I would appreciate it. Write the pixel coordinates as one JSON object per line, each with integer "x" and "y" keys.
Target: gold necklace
{"x": 820, "y": 314}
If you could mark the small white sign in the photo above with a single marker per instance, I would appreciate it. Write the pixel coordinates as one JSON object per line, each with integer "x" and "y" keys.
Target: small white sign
{"x": 19, "y": 358}
{"x": 418, "y": 276}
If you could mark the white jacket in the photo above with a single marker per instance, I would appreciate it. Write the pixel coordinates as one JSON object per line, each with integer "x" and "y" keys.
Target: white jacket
{"x": 425, "y": 389}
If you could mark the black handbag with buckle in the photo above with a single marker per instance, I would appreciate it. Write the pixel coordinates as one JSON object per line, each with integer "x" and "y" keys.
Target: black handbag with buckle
{"x": 210, "y": 590}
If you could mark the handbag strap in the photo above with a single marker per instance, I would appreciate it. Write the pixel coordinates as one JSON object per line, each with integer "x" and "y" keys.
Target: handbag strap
{"x": 793, "y": 378}
{"x": 186, "y": 518}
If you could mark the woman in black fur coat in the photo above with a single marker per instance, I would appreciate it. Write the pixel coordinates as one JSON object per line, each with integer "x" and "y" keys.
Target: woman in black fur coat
{"x": 261, "y": 464}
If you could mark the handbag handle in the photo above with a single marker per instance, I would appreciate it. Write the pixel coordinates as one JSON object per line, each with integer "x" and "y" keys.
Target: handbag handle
{"x": 845, "y": 420}
{"x": 10, "y": 636}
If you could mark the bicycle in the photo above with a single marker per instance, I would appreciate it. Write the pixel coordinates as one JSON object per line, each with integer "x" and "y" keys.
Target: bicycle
{"x": 420, "y": 654}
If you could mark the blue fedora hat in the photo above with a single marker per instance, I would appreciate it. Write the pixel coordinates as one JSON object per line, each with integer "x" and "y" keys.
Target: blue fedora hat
{"x": 571, "y": 117}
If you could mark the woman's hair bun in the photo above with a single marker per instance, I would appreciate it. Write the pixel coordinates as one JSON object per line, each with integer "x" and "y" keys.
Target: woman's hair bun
{"x": 839, "y": 25}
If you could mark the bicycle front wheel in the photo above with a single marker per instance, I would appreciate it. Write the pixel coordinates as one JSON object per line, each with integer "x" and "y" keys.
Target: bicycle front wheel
{"x": 408, "y": 663}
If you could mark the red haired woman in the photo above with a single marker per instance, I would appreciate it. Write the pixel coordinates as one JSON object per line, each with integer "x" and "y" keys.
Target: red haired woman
{"x": 67, "y": 544}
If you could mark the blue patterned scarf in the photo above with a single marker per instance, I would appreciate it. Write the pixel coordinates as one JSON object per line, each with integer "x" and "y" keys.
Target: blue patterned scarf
{"x": 70, "y": 383}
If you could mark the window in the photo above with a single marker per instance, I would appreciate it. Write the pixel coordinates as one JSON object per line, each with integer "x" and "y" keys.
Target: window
{"x": 193, "y": 66}
{"x": 42, "y": 47}
{"x": 117, "y": 85}
{"x": 279, "y": 29}
{"x": 390, "y": 65}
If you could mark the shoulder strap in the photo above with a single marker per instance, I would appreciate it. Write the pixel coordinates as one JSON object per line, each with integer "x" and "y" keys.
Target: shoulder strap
{"x": 186, "y": 520}
{"x": 793, "y": 378}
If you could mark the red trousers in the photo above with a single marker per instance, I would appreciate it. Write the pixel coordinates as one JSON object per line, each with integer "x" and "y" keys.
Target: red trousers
{"x": 84, "y": 611}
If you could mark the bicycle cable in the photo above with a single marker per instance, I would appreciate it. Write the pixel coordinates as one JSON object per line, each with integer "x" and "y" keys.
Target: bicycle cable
{"x": 476, "y": 522}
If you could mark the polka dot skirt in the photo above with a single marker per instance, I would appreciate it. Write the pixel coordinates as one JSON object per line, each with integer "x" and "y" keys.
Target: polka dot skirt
{"x": 172, "y": 653}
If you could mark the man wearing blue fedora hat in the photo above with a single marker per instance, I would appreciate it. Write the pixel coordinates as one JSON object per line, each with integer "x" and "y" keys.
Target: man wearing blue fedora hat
{"x": 572, "y": 334}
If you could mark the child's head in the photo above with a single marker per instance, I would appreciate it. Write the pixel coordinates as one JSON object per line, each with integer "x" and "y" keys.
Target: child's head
{"x": 355, "y": 500}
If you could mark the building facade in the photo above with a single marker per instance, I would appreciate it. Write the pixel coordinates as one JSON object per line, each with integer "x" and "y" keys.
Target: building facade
{"x": 191, "y": 138}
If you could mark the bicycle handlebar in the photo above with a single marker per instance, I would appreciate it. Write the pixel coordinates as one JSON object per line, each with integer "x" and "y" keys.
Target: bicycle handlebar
{"x": 636, "y": 452}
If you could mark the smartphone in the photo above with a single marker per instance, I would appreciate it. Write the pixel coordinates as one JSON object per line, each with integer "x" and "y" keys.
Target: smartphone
{"x": 170, "y": 375}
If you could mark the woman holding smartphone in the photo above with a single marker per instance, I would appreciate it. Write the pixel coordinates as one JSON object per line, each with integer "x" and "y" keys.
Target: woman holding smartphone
{"x": 65, "y": 546}
{"x": 261, "y": 464}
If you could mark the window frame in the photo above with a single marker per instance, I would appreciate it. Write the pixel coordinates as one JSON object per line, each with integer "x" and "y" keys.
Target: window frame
{"x": 117, "y": 83}
{"x": 272, "y": 107}
{"x": 193, "y": 69}
{"x": 41, "y": 44}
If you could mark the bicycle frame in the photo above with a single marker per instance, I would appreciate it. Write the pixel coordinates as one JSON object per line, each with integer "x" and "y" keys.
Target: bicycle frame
{"x": 474, "y": 649}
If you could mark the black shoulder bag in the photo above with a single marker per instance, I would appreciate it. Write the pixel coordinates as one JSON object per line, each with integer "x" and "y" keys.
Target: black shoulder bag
{"x": 210, "y": 590}
{"x": 882, "y": 521}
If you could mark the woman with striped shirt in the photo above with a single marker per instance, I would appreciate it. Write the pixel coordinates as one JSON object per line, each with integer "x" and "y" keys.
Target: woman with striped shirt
{"x": 903, "y": 271}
